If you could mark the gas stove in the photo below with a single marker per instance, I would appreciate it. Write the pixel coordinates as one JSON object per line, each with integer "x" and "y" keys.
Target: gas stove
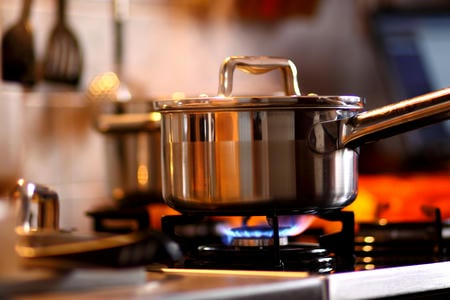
{"x": 261, "y": 257}
{"x": 214, "y": 244}
{"x": 272, "y": 256}
{"x": 211, "y": 243}
{"x": 359, "y": 261}
{"x": 425, "y": 281}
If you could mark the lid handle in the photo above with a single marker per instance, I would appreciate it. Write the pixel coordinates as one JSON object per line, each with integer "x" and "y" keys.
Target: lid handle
{"x": 257, "y": 65}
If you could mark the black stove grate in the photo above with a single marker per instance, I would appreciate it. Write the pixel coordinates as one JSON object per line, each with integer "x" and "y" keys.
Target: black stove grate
{"x": 294, "y": 257}
{"x": 399, "y": 244}
{"x": 334, "y": 252}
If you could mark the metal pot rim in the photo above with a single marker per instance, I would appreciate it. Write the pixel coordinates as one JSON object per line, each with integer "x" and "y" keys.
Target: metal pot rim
{"x": 219, "y": 103}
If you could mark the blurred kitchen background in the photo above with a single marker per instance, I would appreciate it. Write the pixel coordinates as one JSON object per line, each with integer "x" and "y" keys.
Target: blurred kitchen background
{"x": 383, "y": 51}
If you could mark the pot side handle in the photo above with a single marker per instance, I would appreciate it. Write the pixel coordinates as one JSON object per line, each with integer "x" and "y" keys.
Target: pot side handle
{"x": 396, "y": 118}
{"x": 257, "y": 65}
{"x": 128, "y": 123}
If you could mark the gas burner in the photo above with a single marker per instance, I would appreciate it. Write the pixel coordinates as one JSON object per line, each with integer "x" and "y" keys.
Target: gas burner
{"x": 269, "y": 247}
{"x": 296, "y": 257}
{"x": 255, "y": 236}
{"x": 258, "y": 242}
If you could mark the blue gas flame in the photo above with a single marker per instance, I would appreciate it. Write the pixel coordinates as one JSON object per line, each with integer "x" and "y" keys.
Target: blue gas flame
{"x": 253, "y": 232}
{"x": 288, "y": 226}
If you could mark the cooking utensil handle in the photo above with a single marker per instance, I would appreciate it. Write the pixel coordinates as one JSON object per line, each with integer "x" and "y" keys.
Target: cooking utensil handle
{"x": 62, "y": 11}
{"x": 397, "y": 118}
{"x": 121, "y": 11}
{"x": 26, "y": 9}
{"x": 257, "y": 65}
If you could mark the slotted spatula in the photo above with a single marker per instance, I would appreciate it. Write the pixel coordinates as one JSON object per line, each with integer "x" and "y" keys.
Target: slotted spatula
{"x": 18, "y": 58}
{"x": 63, "y": 61}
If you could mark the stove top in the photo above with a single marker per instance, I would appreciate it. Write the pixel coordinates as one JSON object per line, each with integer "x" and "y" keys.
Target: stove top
{"x": 298, "y": 257}
{"x": 426, "y": 281}
{"x": 358, "y": 261}
{"x": 262, "y": 247}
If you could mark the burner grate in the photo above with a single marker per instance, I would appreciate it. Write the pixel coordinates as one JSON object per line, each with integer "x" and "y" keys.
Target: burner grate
{"x": 298, "y": 257}
{"x": 334, "y": 252}
{"x": 399, "y": 244}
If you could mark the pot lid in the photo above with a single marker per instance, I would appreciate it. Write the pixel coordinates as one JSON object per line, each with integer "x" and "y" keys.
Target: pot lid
{"x": 261, "y": 102}
{"x": 259, "y": 65}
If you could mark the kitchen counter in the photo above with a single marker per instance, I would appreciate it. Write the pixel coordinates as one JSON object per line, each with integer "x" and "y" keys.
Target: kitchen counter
{"x": 48, "y": 283}
{"x": 214, "y": 284}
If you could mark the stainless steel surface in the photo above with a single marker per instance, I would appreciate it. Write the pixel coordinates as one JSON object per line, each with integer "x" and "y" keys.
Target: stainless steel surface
{"x": 39, "y": 282}
{"x": 218, "y": 284}
{"x": 390, "y": 282}
{"x": 133, "y": 162}
{"x": 249, "y": 161}
{"x": 382, "y": 122}
{"x": 128, "y": 122}
{"x": 257, "y": 65}
{"x": 37, "y": 207}
{"x": 213, "y": 284}
{"x": 260, "y": 154}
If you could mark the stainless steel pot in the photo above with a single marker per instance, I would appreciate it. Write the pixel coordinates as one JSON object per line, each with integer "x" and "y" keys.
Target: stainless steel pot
{"x": 267, "y": 154}
{"x": 133, "y": 144}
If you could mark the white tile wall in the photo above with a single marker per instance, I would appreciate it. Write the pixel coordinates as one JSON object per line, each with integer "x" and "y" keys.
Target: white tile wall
{"x": 169, "y": 50}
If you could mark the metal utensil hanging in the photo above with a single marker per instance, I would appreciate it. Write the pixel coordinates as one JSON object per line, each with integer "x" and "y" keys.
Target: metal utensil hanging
{"x": 63, "y": 61}
{"x": 18, "y": 56}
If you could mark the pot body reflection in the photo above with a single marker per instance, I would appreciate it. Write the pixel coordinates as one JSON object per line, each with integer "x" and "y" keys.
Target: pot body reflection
{"x": 254, "y": 162}
{"x": 134, "y": 166}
